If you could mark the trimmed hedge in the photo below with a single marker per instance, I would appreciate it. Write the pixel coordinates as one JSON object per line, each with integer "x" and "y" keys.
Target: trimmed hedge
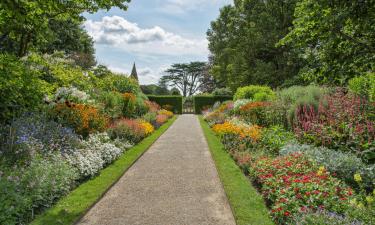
{"x": 173, "y": 100}
{"x": 202, "y": 101}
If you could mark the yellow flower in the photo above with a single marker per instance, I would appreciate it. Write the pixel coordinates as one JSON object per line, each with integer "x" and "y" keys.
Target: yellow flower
{"x": 369, "y": 199}
{"x": 321, "y": 170}
{"x": 357, "y": 177}
{"x": 147, "y": 127}
{"x": 360, "y": 205}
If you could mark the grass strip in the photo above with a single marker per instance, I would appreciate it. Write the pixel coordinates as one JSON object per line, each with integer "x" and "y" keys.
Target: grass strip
{"x": 247, "y": 204}
{"x": 72, "y": 207}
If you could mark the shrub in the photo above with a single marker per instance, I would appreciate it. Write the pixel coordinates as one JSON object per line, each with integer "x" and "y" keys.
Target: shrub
{"x": 215, "y": 117}
{"x": 71, "y": 94}
{"x": 222, "y": 92}
{"x": 152, "y": 106}
{"x": 253, "y": 112}
{"x": 252, "y": 132}
{"x": 274, "y": 138}
{"x": 341, "y": 122}
{"x": 128, "y": 105}
{"x": 28, "y": 190}
{"x": 34, "y": 133}
{"x": 84, "y": 119}
{"x": 150, "y": 117}
{"x": 255, "y": 93}
{"x": 201, "y": 102}
{"x": 119, "y": 83}
{"x": 293, "y": 184}
{"x": 128, "y": 129}
{"x": 239, "y": 103}
{"x": 173, "y": 100}
{"x": 364, "y": 86}
{"x": 111, "y": 103}
{"x": 343, "y": 164}
{"x": 20, "y": 88}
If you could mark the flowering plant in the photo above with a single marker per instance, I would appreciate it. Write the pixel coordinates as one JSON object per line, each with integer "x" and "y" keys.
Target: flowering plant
{"x": 242, "y": 131}
{"x": 294, "y": 184}
{"x": 167, "y": 113}
{"x": 152, "y": 106}
{"x": 341, "y": 122}
{"x": 84, "y": 119}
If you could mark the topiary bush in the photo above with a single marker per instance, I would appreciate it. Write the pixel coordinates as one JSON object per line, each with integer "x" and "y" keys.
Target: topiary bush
{"x": 255, "y": 93}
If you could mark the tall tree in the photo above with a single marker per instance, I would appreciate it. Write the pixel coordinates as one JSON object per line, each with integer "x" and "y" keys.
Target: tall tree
{"x": 186, "y": 77}
{"x": 25, "y": 22}
{"x": 336, "y": 39}
{"x": 242, "y": 43}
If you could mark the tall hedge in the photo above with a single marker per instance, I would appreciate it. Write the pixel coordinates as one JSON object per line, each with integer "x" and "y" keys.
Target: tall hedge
{"x": 173, "y": 100}
{"x": 202, "y": 101}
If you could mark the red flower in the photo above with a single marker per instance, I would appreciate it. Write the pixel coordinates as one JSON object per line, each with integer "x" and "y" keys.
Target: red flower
{"x": 286, "y": 213}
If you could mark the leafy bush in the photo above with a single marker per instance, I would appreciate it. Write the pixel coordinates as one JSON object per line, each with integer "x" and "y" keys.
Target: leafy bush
{"x": 293, "y": 184}
{"x": 20, "y": 88}
{"x": 111, "y": 103}
{"x": 253, "y": 112}
{"x": 128, "y": 107}
{"x": 364, "y": 86}
{"x": 255, "y": 93}
{"x": 150, "y": 117}
{"x": 28, "y": 190}
{"x": 343, "y": 164}
{"x": 119, "y": 83}
{"x": 222, "y": 92}
{"x": 84, "y": 119}
{"x": 341, "y": 122}
{"x": 215, "y": 117}
{"x": 274, "y": 138}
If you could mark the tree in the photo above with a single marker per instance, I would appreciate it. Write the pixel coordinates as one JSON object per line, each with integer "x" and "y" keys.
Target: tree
{"x": 153, "y": 89}
{"x": 336, "y": 39}
{"x": 242, "y": 43}
{"x": 186, "y": 77}
{"x": 27, "y": 22}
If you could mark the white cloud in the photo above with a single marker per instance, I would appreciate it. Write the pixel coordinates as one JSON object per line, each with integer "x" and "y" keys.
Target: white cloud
{"x": 183, "y": 6}
{"x": 120, "y": 33}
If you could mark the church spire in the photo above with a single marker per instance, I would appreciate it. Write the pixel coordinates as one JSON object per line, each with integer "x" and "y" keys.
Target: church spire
{"x": 134, "y": 73}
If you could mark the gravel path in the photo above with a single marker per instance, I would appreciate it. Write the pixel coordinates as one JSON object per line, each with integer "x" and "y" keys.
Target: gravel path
{"x": 174, "y": 183}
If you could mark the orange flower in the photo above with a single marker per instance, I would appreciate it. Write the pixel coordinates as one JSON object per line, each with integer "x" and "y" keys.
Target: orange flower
{"x": 243, "y": 131}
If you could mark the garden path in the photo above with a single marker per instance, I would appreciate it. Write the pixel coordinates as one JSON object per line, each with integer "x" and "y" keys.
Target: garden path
{"x": 174, "y": 183}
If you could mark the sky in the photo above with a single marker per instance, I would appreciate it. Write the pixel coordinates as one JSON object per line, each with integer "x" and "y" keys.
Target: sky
{"x": 154, "y": 34}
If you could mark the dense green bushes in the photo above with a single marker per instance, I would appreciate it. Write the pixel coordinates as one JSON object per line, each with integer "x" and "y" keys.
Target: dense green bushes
{"x": 364, "y": 86}
{"x": 173, "y": 100}
{"x": 255, "y": 93}
{"x": 206, "y": 101}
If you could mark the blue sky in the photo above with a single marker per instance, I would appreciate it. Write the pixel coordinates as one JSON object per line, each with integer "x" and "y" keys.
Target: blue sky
{"x": 152, "y": 33}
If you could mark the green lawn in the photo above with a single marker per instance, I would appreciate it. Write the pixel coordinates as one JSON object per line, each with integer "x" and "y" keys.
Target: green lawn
{"x": 247, "y": 204}
{"x": 72, "y": 207}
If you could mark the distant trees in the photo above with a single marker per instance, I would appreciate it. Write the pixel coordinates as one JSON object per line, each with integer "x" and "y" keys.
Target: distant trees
{"x": 186, "y": 77}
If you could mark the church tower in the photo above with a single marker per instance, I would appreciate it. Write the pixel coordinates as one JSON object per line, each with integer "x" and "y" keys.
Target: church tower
{"x": 134, "y": 73}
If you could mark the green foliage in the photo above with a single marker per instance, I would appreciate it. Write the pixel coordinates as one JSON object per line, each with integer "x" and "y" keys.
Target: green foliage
{"x": 20, "y": 88}
{"x": 255, "y": 93}
{"x": 242, "y": 44}
{"x": 153, "y": 89}
{"x": 297, "y": 96}
{"x": 111, "y": 103}
{"x": 274, "y": 138}
{"x": 175, "y": 101}
{"x": 201, "y": 102}
{"x": 335, "y": 39}
{"x": 222, "y": 91}
{"x": 119, "y": 83}
{"x": 27, "y": 24}
{"x": 364, "y": 86}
